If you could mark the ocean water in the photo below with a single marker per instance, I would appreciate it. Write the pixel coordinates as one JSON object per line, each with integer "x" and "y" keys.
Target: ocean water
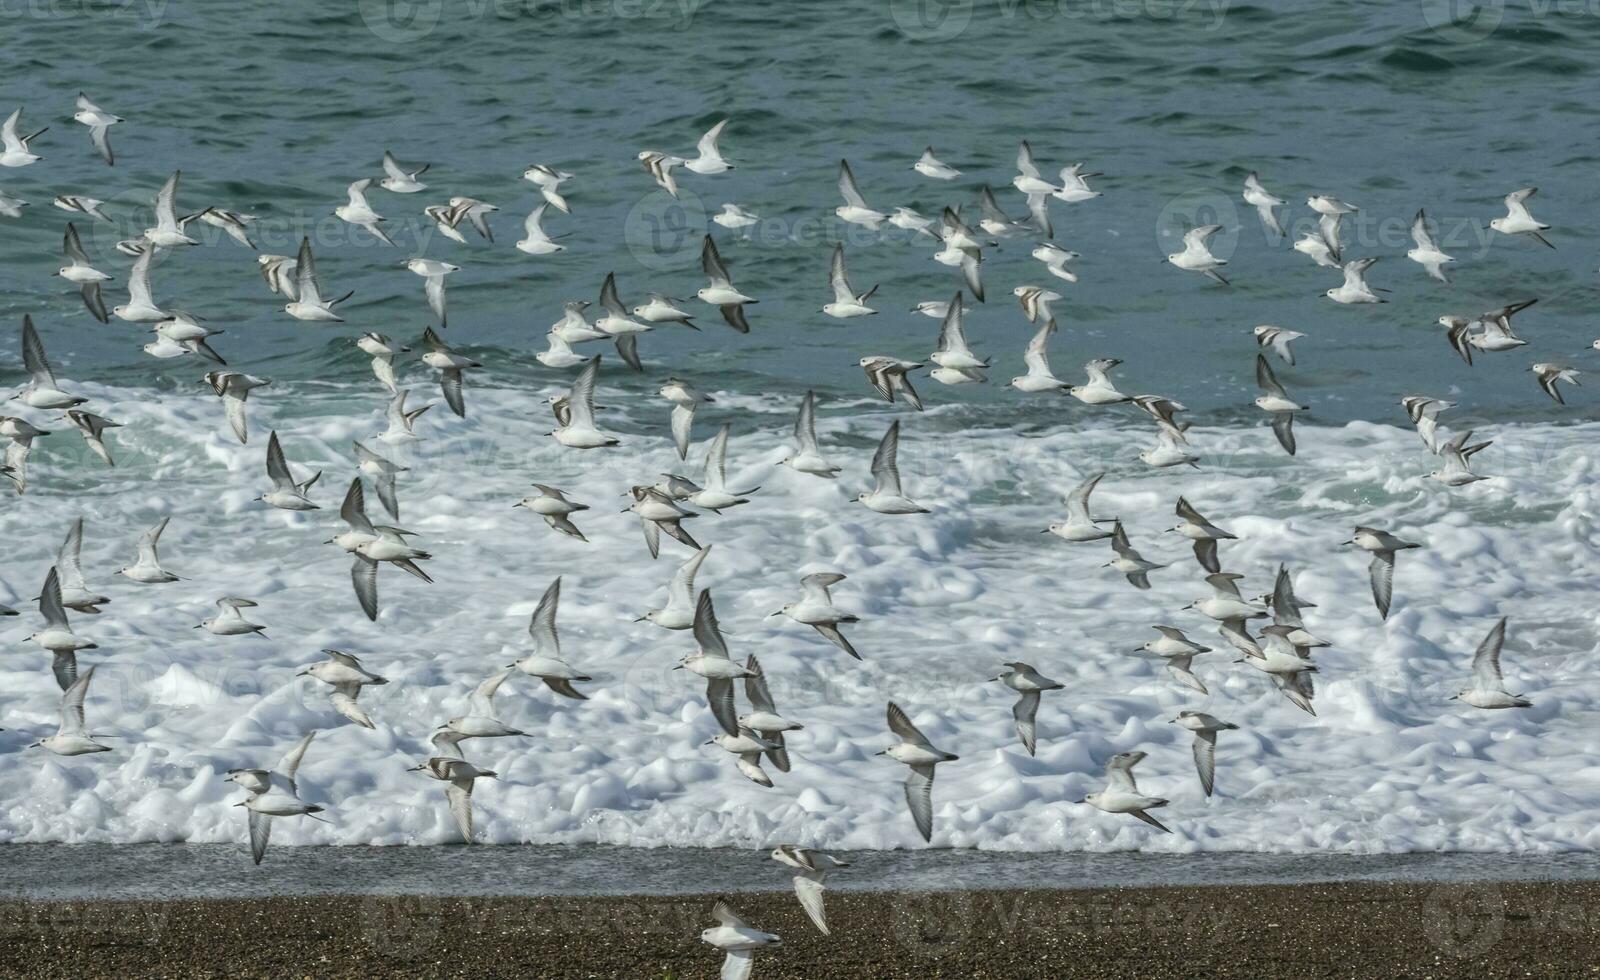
{"x": 1385, "y": 105}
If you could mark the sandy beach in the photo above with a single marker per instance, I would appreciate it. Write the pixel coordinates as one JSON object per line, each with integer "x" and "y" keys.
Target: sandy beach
{"x": 1335, "y": 930}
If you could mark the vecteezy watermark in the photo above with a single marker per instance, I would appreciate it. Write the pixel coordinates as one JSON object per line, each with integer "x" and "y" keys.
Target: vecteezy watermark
{"x": 405, "y": 21}
{"x": 143, "y": 14}
{"x": 944, "y": 20}
{"x": 1464, "y": 921}
{"x": 77, "y": 924}
{"x": 1463, "y": 21}
{"x": 663, "y": 232}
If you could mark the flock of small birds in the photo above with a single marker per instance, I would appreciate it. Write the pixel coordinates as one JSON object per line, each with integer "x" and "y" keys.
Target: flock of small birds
{"x": 1281, "y": 651}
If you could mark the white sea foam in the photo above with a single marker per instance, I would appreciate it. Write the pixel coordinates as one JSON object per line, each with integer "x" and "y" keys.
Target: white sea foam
{"x": 1389, "y": 764}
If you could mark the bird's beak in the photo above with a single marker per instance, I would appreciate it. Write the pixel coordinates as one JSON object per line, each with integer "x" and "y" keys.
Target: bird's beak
{"x": 678, "y": 667}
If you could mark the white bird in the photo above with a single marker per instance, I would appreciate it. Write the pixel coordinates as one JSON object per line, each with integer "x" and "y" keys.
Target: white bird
{"x": 1075, "y": 185}
{"x": 1355, "y": 289}
{"x": 147, "y": 568}
{"x": 1079, "y": 526}
{"x": 1382, "y": 546}
{"x": 816, "y": 610}
{"x": 309, "y": 304}
{"x": 358, "y": 212}
{"x": 447, "y": 765}
{"x": 1039, "y": 377}
{"x": 443, "y": 358}
{"x": 383, "y": 351}
{"x": 1203, "y": 533}
{"x": 475, "y": 213}
{"x": 660, "y": 166}
{"x": 1231, "y": 610}
{"x": 847, "y": 302}
{"x": 763, "y": 718}
{"x": 662, "y": 309}
{"x": 1424, "y": 412}
{"x": 400, "y": 422}
{"x": 886, "y": 496}
{"x": 1205, "y": 728}
{"x": 1286, "y": 612}
{"x": 382, "y": 472}
{"x": 721, "y": 293}
{"x": 812, "y": 866}
{"x": 1196, "y": 255}
{"x": 1179, "y": 653}
{"x": 1488, "y": 688}
{"x": 555, "y": 508}
{"x": 343, "y": 672}
{"x": 280, "y": 273}
{"x": 1276, "y": 402}
{"x": 807, "y": 456}
{"x": 578, "y": 431}
{"x": 57, "y": 636}
{"x": 889, "y": 377}
{"x": 1056, "y": 259}
{"x": 1494, "y": 332}
{"x": 481, "y": 721}
{"x": 399, "y": 180}
{"x": 75, "y": 592}
{"x": 708, "y": 159}
{"x": 42, "y": 390}
{"x": 14, "y": 150}
{"x": 99, "y": 122}
{"x": 535, "y": 240}
{"x": 1028, "y": 683}
{"x": 549, "y": 180}
{"x": 855, "y": 209}
{"x": 747, "y": 747}
{"x": 1426, "y": 253}
{"x": 187, "y": 334}
{"x": 997, "y": 222}
{"x": 1549, "y": 374}
{"x": 962, "y": 250}
{"x": 93, "y": 428}
{"x": 72, "y": 736}
{"x": 559, "y": 354}
{"x": 738, "y": 939}
{"x": 141, "y": 307}
{"x": 1099, "y": 390}
{"x": 714, "y": 495}
{"x": 21, "y": 434}
{"x": 170, "y": 231}
{"x": 1028, "y": 179}
{"x": 1122, "y": 795}
{"x": 929, "y": 165}
{"x": 1277, "y": 340}
{"x": 229, "y": 621}
{"x": 370, "y": 544}
{"x": 1329, "y": 206}
{"x": 908, "y": 219}
{"x": 951, "y": 353}
{"x": 433, "y": 272}
{"x": 234, "y": 223}
{"x": 1128, "y": 561}
{"x": 273, "y": 793}
{"x": 546, "y": 662}
{"x": 1035, "y": 301}
{"x": 1257, "y": 197}
{"x": 234, "y": 389}
{"x": 678, "y": 613}
{"x": 11, "y": 207}
{"x": 712, "y": 662}
{"x": 657, "y": 512}
{"x": 1517, "y": 220}
{"x": 1456, "y": 455}
{"x": 685, "y": 398}
{"x": 78, "y": 204}
{"x": 287, "y": 493}
{"x": 733, "y": 217}
{"x": 917, "y": 753}
{"x": 1313, "y": 245}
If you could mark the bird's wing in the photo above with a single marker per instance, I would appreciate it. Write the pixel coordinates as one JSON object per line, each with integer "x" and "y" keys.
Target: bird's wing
{"x": 1205, "y": 759}
{"x": 1381, "y": 572}
{"x": 847, "y": 187}
{"x": 1025, "y": 164}
{"x": 717, "y": 460}
{"x": 707, "y": 147}
{"x": 459, "y": 793}
{"x": 919, "y": 797}
{"x": 55, "y": 615}
{"x": 816, "y": 586}
{"x": 1024, "y": 712}
{"x": 306, "y": 275}
{"x": 260, "y": 832}
{"x": 277, "y": 467}
{"x": 1119, "y": 771}
{"x": 364, "y": 577}
{"x": 1037, "y": 357}
{"x": 1486, "y": 661}
{"x": 711, "y": 263}
{"x": 805, "y": 425}
{"x": 1266, "y": 380}
{"x": 542, "y": 626}
{"x": 148, "y": 541}
{"x": 72, "y": 704}
{"x": 67, "y": 559}
{"x": 755, "y": 688}
{"x": 707, "y": 633}
{"x": 1078, "y": 499}
{"x": 34, "y": 360}
{"x": 901, "y": 726}
{"x": 581, "y": 399}
{"x": 885, "y": 468}
{"x": 482, "y": 700}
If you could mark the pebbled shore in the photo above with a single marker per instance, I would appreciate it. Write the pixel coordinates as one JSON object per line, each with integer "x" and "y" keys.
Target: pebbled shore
{"x": 1351, "y": 930}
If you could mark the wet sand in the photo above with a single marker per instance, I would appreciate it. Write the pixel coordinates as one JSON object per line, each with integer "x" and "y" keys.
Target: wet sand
{"x": 1353, "y": 930}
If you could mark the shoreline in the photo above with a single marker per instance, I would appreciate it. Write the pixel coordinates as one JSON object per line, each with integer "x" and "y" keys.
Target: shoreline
{"x": 1344, "y": 929}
